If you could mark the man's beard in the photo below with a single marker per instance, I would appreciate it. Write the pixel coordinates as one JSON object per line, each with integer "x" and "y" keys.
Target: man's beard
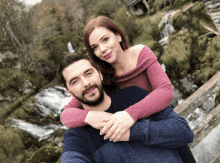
{"x": 90, "y": 102}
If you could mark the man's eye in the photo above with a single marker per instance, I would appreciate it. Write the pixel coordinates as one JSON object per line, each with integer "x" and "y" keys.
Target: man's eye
{"x": 88, "y": 73}
{"x": 73, "y": 82}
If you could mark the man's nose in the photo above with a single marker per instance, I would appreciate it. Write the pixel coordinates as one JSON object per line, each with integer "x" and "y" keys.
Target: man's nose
{"x": 85, "y": 82}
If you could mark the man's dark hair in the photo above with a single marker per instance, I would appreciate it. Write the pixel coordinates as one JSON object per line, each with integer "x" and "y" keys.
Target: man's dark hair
{"x": 68, "y": 60}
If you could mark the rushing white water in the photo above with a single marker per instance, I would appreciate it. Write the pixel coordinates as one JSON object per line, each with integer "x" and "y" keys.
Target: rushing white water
{"x": 52, "y": 100}
{"x": 37, "y": 132}
{"x": 70, "y": 47}
{"x": 199, "y": 113}
{"x": 168, "y": 28}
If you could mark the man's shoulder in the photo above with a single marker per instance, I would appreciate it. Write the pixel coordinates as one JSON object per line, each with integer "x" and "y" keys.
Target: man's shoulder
{"x": 165, "y": 113}
{"x": 76, "y": 132}
{"x": 131, "y": 90}
{"x": 127, "y": 96}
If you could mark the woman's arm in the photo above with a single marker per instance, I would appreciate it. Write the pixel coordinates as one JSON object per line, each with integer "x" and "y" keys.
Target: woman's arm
{"x": 156, "y": 101}
{"x": 73, "y": 115}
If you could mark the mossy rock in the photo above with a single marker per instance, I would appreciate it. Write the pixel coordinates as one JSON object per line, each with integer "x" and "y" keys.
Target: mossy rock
{"x": 59, "y": 133}
{"x": 59, "y": 160}
{"x": 10, "y": 143}
{"x": 217, "y": 98}
{"x": 46, "y": 154}
{"x": 51, "y": 117}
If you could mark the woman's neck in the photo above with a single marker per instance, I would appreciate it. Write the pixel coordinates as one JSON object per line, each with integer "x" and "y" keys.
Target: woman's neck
{"x": 122, "y": 65}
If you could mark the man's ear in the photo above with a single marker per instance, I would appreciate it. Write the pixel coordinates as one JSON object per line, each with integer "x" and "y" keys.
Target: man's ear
{"x": 69, "y": 92}
{"x": 100, "y": 74}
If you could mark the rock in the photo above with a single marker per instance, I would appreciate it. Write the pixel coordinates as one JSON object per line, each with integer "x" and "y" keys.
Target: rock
{"x": 9, "y": 59}
{"x": 46, "y": 153}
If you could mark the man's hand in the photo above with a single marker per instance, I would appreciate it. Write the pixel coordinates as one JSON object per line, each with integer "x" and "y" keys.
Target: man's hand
{"x": 96, "y": 119}
{"x": 117, "y": 125}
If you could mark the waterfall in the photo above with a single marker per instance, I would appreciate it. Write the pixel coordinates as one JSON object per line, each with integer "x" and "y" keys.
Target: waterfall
{"x": 36, "y": 131}
{"x": 168, "y": 28}
{"x": 70, "y": 47}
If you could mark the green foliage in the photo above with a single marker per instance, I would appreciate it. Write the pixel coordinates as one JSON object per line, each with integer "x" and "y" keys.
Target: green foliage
{"x": 217, "y": 98}
{"x": 46, "y": 153}
{"x": 149, "y": 36}
{"x": 10, "y": 143}
{"x": 12, "y": 82}
{"x": 178, "y": 3}
{"x": 128, "y": 24}
{"x": 177, "y": 55}
{"x": 192, "y": 19}
{"x": 211, "y": 60}
{"x": 105, "y": 8}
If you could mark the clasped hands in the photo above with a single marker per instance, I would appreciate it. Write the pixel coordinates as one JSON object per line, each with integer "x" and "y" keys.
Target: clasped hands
{"x": 115, "y": 127}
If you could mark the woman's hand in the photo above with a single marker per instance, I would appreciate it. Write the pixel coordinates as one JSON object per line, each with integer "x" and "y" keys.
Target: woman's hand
{"x": 117, "y": 125}
{"x": 96, "y": 119}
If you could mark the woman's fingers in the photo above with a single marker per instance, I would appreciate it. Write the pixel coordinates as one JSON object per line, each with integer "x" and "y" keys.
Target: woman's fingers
{"x": 111, "y": 132}
{"x": 107, "y": 127}
{"x": 117, "y": 135}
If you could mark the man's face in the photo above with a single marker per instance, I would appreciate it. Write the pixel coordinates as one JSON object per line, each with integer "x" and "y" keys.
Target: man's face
{"x": 84, "y": 82}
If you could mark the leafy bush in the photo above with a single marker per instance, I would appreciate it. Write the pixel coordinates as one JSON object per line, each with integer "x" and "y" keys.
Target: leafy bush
{"x": 128, "y": 23}
{"x": 176, "y": 56}
{"x": 211, "y": 60}
{"x": 106, "y": 8}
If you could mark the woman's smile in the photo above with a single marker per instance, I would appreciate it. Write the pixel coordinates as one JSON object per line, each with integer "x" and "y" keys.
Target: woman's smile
{"x": 108, "y": 55}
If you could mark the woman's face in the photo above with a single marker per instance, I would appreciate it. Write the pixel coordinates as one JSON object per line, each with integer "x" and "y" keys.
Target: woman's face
{"x": 105, "y": 44}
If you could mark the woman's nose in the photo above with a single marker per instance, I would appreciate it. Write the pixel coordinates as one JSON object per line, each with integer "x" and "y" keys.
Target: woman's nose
{"x": 102, "y": 48}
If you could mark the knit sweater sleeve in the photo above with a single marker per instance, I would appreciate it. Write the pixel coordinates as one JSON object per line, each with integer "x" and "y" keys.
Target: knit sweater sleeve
{"x": 75, "y": 147}
{"x": 166, "y": 129}
{"x": 72, "y": 116}
{"x": 162, "y": 93}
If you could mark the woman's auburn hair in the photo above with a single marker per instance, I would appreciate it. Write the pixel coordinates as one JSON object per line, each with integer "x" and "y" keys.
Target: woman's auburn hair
{"x": 108, "y": 72}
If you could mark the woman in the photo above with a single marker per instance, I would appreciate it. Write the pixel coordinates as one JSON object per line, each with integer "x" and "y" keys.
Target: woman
{"x": 121, "y": 67}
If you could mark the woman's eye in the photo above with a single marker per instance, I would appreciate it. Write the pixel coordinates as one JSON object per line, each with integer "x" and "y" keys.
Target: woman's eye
{"x": 105, "y": 39}
{"x": 94, "y": 48}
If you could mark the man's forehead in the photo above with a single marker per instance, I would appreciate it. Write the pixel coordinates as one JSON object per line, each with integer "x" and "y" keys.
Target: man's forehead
{"x": 81, "y": 64}
{"x": 77, "y": 68}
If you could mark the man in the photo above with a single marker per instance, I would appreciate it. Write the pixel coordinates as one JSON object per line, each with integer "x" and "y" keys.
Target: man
{"x": 153, "y": 139}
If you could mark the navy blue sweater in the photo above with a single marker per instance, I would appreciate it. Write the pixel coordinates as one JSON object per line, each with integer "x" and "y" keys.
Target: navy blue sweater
{"x": 152, "y": 140}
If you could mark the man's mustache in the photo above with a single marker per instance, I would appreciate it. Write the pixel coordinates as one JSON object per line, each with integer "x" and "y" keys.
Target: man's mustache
{"x": 93, "y": 86}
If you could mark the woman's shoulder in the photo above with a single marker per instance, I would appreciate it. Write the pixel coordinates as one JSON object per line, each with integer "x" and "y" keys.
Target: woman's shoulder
{"x": 135, "y": 50}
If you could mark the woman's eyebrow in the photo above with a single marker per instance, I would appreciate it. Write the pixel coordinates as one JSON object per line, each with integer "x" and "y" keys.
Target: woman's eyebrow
{"x": 100, "y": 39}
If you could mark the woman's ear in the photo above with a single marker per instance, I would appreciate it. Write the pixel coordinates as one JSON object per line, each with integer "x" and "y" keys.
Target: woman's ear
{"x": 100, "y": 74}
{"x": 119, "y": 37}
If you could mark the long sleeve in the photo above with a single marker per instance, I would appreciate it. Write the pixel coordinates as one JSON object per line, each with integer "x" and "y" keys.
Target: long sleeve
{"x": 75, "y": 147}
{"x": 165, "y": 129}
{"x": 162, "y": 93}
{"x": 72, "y": 116}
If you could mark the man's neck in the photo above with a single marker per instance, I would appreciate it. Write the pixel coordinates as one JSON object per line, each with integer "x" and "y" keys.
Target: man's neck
{"x": 103, "y": 106}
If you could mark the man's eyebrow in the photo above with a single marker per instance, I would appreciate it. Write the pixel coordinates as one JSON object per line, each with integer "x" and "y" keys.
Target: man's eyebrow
{"x": 77, "y": 77}
{"x": 100, "y": 39}
{"x": 87, "y": 70}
